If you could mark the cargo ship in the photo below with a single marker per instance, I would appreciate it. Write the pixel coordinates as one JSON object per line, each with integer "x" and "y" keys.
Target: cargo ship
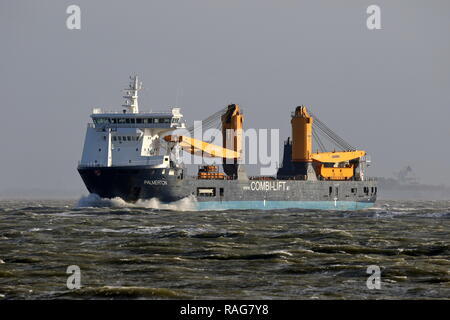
{"x": 136, "y": 155}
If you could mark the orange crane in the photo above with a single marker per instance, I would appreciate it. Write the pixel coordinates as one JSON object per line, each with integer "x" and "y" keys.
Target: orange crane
{"x": 231, "y": 122}
{"x": 329, "y": 165}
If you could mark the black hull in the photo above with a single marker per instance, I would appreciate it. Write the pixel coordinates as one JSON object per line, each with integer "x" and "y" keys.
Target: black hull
{"x": 130, "y": 183}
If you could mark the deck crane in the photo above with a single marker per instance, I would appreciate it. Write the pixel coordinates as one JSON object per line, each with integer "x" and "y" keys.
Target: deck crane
{"x": 231, "y": 122}
{"x": 335, "y": 165}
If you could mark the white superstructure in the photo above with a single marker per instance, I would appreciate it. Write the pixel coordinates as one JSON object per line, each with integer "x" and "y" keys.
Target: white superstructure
{"x": 130, "y": 137}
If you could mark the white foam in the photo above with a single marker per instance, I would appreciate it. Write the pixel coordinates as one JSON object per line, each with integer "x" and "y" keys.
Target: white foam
{"x": 39, "y": 229}
{"x": 281, "y": 252}
{"x": 94, "y": 200}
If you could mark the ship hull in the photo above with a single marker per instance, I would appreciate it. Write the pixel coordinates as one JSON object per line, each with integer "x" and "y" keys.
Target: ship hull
{"x": 134, "y": 183}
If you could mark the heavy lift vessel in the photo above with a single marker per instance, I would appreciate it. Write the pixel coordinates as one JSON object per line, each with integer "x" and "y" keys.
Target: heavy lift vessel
{"x": 121, "y": 158}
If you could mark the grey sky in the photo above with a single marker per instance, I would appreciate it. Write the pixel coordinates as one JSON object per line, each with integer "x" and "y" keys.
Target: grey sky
{"x": 386, "y": 91}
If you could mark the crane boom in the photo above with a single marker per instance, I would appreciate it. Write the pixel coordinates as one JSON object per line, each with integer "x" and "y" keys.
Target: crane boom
{"x": 198, "y": 147}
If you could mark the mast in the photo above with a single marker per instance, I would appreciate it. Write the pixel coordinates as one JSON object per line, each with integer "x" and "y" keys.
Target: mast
{"x": 131, "y": 95}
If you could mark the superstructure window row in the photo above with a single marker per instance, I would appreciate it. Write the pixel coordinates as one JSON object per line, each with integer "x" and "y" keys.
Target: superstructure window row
{"x": 134, "y": 120}
{"x": 125, "y": 138}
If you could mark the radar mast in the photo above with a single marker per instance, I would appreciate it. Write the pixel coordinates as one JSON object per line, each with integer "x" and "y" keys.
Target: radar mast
{"x": 131, "y": 95}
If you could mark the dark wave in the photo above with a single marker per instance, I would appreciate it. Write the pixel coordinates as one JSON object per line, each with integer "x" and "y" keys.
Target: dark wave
{"x": 134, "y": 252}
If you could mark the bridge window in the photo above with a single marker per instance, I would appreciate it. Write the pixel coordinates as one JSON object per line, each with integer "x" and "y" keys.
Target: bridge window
{"x": 101, "y": 120}
{"x": 156, "y": 120}
{"x": 175, "y": 120}
{"x": 121, "y": 120}
{"x": 138, "y": 120}
{"x": 165, "y": 120}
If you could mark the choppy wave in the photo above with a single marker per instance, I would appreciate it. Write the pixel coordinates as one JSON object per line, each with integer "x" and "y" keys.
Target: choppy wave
{"x": 149, "y": 250}
{"x": 94, "y": 200}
